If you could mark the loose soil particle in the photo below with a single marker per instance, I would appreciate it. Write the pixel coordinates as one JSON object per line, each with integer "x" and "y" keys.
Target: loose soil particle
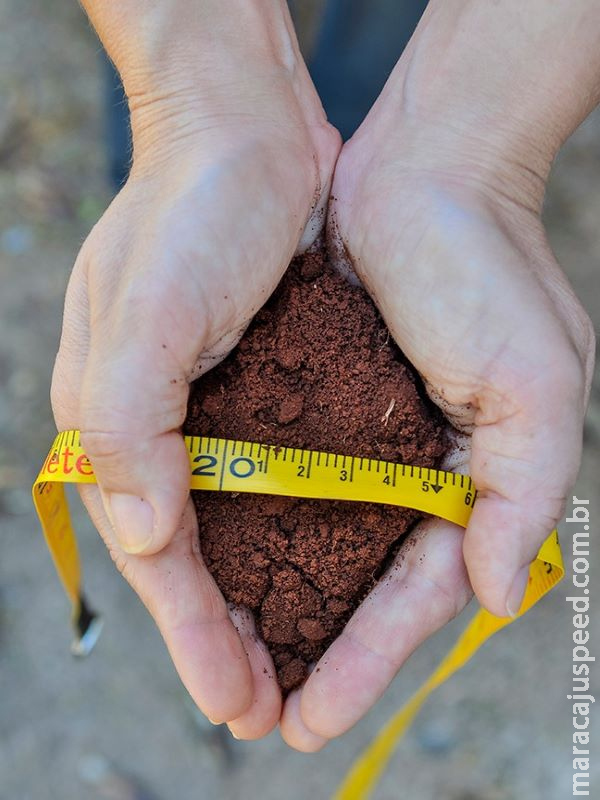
{"x": 316, "y": 369}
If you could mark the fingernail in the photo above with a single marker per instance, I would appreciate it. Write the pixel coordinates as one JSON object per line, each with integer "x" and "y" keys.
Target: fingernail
{"x": 517, "y": 591}
{"x": 212, "y": 722}
{"x": 133, "y": 521}
{"x": 233, "y": 734}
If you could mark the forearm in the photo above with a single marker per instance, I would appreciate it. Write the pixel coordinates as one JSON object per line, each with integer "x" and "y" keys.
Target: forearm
{"x": 167, "y": 39}
{"x": 189, "y": 61}
{"x": 498, "y": 81}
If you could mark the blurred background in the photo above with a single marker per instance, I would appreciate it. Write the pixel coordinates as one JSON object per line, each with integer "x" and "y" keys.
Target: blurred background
{"x": 119, "y": 725}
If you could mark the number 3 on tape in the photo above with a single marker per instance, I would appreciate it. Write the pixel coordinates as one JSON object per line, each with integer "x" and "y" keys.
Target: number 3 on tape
{"x": 227, "y": 465}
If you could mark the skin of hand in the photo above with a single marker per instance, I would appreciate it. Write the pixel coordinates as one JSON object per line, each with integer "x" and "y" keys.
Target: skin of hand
{"x": 232, "y": 163}
{"x": 436, "y": 206}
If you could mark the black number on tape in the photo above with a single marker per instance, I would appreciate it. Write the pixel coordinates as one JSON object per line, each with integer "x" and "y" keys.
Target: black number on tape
{"x": 242, "y": 467}
{"x": 205, "y": 467}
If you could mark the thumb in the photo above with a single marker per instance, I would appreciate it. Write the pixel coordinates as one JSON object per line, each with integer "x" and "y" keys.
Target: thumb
{"x": 133, "y": 403}
{"x": 524, "y": 461}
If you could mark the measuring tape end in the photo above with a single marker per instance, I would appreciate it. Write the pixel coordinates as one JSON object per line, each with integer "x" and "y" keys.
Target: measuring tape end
{"x": 88, "y": 627}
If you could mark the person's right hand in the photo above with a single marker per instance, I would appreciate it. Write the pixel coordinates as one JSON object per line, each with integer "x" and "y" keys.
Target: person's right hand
{"x": 228, "y": 179}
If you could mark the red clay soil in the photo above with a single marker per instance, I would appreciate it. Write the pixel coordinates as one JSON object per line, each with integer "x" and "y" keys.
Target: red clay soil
{"x": 316, "y": 369}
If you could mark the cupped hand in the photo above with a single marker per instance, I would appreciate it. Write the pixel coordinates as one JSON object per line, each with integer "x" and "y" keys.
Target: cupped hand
{"x": 453, "y": 252}
{"x": 215, "y": 207}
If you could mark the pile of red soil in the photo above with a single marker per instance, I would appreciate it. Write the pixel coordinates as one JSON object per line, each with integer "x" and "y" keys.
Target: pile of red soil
{"x": 316, "y": 369}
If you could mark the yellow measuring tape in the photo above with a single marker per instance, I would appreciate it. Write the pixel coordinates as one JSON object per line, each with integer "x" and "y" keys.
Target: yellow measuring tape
{"x": 233, "y": 466}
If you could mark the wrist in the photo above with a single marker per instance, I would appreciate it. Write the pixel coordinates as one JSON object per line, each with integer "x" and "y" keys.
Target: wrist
{"x": 423, "y": 151}
{"x": 471, "y": 150}
{"x": 189, "y": 67}
{"x": 174, "y": 40}
{"x": 477, "y": 95}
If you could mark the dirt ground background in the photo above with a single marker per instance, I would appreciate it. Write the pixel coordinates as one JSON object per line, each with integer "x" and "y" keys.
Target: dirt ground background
{"x": 119, "y": 725}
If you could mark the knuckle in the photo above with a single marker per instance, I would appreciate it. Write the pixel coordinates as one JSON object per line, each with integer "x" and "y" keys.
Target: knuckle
{"x": 119, "y": 559}
{"x": 588, "y": 334}
{"x": 588, "y": 345}
{"x": 63, "y": 398}
{"x": 442, "y": 593}
{"x": 57, "y": 393}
